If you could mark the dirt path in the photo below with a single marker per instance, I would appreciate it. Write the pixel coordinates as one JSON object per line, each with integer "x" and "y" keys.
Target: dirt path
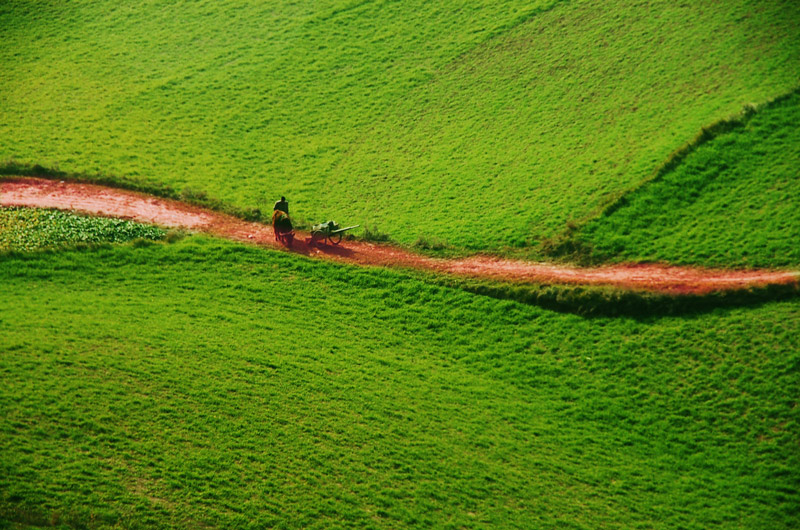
{"x": 130, "y": 205}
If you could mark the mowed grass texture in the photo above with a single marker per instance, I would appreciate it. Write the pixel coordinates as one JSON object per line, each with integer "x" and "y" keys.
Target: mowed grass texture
{"x": 484, "y": 125}
{"x": 732, "y": 201}
{"x": 211, "y": 384}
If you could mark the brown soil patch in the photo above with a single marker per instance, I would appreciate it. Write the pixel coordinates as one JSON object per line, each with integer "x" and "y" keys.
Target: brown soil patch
{"x": 113, "y": 202}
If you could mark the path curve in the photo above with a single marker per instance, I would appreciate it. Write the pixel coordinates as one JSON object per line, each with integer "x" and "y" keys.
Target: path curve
{"x": 99, "y": 200}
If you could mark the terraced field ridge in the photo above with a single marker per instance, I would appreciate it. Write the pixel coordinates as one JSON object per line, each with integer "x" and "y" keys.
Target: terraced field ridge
{"x": 121, "y": 203}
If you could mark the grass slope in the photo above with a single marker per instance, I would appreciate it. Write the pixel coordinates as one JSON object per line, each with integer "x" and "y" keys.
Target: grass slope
{"x": 486, "y": 125}
{"x": 26, "y": 229}
{"x": 732, "y": 201}
{"x": 207, "y": 383}
{"x": 553, "y": 119}
{"x": 236, "y": 98}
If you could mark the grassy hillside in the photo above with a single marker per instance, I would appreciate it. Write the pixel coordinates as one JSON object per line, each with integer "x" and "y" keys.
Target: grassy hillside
{"x": 732, "y": 201}
{"x": 554, "y": 118}
{"x": 212, "y": 384}
{"x": 486, "y": 125}
{"x": 202, "y": 383}
{"x": 244, "y": 100}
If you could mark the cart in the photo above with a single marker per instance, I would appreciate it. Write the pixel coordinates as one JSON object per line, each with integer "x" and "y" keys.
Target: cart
{"x": 329, "y": 232}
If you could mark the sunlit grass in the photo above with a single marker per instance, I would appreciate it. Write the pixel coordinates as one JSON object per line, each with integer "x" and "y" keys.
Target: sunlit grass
{"x": 209, "y": 384}
{"x": 733, "y": 201}
{"x": 489, "y": 125}
{"x": 213, "y": 384}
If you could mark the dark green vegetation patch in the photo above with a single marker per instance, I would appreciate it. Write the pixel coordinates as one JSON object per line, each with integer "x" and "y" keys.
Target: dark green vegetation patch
{"x": 25, "y": 229}
{"x": 210, "y": 384}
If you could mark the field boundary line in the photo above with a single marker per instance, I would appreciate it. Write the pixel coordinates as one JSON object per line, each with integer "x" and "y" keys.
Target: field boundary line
{"x": 706, "y": 134}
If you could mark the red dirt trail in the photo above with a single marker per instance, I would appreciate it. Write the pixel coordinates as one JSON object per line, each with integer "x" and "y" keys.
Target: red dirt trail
{"x": 113, "y": 202}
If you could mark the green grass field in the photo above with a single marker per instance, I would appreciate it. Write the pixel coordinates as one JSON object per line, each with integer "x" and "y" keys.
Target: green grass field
{"x": 731, "y": 202}
{"x": 196, "y": 383}
{"x": 212, "y": 384}
{"x": 484, "y": 126}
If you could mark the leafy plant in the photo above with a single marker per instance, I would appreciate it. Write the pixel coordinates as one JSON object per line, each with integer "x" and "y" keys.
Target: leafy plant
{"x": 27, "y": 229}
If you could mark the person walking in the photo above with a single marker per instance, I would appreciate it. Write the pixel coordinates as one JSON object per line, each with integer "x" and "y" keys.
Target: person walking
{"x": 282, "y": 205}
{"x": 281, "y": 224}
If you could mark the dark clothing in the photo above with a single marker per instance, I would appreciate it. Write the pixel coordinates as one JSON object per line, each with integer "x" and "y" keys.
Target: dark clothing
{"x": 282, "y": 206}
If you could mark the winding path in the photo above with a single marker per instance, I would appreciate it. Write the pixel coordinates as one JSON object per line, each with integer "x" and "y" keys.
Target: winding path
{"x": 98, "y": 200}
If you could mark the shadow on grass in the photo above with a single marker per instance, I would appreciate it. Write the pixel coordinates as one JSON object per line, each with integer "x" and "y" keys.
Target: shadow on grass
{"x": 597, "y": 302}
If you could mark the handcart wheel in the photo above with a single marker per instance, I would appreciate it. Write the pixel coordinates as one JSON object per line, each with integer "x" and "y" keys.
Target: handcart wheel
{"x": 316, "y": 237}
{"x": 335, "y": 238}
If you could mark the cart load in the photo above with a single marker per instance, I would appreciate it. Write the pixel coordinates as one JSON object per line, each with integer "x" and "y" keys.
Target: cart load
{"x": 329, "y": 231}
